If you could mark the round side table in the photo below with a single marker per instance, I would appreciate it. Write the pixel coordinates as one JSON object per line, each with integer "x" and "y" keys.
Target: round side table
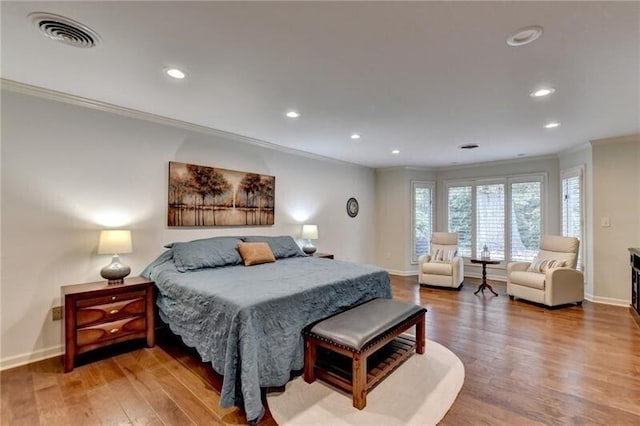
{"x": 484, "y": 284}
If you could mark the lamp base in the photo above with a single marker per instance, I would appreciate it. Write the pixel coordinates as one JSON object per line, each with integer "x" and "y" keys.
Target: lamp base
{"x": 309, "y": 249}
{"x": 115, "y": 272}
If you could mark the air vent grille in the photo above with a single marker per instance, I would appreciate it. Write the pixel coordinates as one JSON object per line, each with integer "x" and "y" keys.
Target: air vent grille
{"x": 469, "y": 146}
{"x": 65, "y": 30}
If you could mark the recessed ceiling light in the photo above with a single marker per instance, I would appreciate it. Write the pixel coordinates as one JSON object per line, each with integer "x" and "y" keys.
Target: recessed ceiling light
{"x": 525, "y": 35}
{"x": 552, "y": 125}
{"x": 469, "y": 146}
{"x": 545, "y": 91}
{"x": 292, "y": 114}
{"x": 395, "y": 151}
{"x": 355, "y": 136}
{"x": 176, "y": 73}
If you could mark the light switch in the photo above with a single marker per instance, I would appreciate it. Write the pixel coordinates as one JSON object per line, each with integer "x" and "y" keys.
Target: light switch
{"x": 605, "y": 222}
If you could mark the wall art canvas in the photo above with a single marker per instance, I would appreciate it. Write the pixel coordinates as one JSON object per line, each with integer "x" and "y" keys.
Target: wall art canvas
{"x": 208, "y": 196}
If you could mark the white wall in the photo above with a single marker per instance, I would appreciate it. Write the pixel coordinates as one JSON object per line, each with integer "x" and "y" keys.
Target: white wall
{"x": 393, "y": 217}
{"x": 616, "y": 166}
{"x": 67, "y": 171}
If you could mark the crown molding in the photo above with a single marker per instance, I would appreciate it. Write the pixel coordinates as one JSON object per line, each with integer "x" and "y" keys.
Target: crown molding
{"x": 617, "y": 139}
{"x": 499, "y": 162}
{"x": 574, "y": 149}
{"x": 404, "y": 168}
{"x": 41, "y": 92}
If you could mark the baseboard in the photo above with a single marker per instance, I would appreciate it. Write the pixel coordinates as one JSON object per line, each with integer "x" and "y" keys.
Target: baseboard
{"x": 489, "y": 276}
{"x": 466, "y": 274}
{"x": 607, "y": 300}
{"x": 28, "y": 358}
{"x": 402, "y": 273}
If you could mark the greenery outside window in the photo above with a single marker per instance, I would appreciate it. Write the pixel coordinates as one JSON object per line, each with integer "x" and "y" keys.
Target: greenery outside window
{"x": 505, "y": 214}
{"x": 573, "y": 207}
{"x": 422, "y": 196}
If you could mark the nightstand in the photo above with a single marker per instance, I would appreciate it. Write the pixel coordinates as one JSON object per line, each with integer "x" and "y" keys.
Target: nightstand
{"x": 98, "y": 314}
{"x": 323, "y": 255}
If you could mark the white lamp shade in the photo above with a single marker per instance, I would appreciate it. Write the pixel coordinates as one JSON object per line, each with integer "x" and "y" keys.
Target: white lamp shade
{"x": 115, "y": 241}
{"x": 310, "y": 232}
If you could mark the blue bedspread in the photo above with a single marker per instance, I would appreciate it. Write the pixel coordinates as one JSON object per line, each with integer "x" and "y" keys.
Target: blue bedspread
{"x": 247, "y": 321}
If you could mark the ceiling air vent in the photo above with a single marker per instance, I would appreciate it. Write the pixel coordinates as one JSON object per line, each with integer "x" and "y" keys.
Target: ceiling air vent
{"x": 469, "y": 146}
{"x": 64, "y": 30}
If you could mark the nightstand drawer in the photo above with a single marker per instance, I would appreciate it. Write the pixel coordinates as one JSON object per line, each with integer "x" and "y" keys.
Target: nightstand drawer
{"x": 83, "y": 303}
{"x": 110, "y": 330}
{"x": 109, "y": 312}
{"x": 98, "y": 315}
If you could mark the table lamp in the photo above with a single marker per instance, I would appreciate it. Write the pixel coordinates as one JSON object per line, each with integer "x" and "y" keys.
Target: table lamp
{"x": 309, "y": 232}
{"x": 115, "y": 241}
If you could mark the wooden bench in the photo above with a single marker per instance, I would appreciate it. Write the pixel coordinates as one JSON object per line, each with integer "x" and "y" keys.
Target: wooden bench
{"x": 359, "y": 333}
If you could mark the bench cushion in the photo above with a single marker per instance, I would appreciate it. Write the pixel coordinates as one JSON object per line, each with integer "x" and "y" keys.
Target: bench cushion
{"x": 357, "y": 326}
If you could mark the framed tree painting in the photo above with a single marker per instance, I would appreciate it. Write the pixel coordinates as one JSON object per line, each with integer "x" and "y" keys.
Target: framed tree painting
{"x": 208, "y": 196}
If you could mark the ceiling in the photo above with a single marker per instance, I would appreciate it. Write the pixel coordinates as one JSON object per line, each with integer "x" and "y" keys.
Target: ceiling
{"x": 420, "y": 77}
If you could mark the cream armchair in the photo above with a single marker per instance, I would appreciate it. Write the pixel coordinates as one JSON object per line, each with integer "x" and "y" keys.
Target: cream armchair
{"x": 557, "y": 286}
{"x": 444, "y": 273}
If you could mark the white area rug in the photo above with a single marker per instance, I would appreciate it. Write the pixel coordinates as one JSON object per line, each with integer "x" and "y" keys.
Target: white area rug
{"x": 419, "y": 392}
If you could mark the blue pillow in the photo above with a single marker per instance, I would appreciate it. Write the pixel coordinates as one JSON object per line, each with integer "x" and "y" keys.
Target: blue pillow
{"x": 206, "y": 253}
{"x": 282, "y": 246}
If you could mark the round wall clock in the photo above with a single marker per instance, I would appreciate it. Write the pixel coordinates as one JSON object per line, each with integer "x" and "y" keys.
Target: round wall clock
{"x": 352, "y": 207}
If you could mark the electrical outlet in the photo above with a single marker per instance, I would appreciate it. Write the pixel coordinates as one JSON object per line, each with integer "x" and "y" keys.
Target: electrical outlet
{"x": 56, "y": 313}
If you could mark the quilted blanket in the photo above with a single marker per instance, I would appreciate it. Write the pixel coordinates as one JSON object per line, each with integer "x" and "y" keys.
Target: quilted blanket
{"x": 246, "y": 321}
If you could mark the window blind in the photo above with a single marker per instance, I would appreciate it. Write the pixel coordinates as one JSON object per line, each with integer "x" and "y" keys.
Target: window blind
{"x": 460, "y": 217}
{"x": 572, "y": 210}
{"x": 526, "y": 220}
{"x": 490, "y": 219}
{"x": 422, "y": 220}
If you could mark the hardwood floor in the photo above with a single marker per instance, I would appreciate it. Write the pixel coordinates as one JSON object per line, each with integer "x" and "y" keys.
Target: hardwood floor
{"x": 524, "y": 365}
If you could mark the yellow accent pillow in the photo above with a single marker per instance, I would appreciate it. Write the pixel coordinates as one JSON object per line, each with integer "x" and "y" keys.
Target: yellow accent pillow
{"x": 256, "y": 253}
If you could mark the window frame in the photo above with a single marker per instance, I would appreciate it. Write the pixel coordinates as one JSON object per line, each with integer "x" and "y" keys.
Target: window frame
{"x": 541, "y": 177}
{"x": 525, "y": 178}
{"x": 461, "y": 183}
{"x": 432, "y": 187}
{"x": 579, "y": 172}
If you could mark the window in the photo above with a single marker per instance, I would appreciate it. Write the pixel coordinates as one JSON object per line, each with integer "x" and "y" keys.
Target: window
{"x": 526, "y": 220}
{"x": 422, "y": 218}
{"x": 505, "y": 214}
{"x": 572, "y": 208}
{"x": 490, "y": 219}
{"x": 460, "y": 217}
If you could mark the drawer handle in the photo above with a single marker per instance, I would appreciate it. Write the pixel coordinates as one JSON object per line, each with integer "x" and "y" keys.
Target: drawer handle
{"x": 113, "y": 297}
{"x": 114, "y": 330}
{"x": 113, "y": 311}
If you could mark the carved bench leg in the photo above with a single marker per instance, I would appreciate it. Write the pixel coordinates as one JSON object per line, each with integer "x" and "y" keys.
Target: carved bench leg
{"x": 420, "y": 335}
{"x": 310, "y": 361}
{"x": 359, "y": 390}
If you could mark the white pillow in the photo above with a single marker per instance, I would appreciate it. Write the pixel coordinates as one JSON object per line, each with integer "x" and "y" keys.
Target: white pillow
{"x": 543, "y": 265}
{"x": 443, "y": 255}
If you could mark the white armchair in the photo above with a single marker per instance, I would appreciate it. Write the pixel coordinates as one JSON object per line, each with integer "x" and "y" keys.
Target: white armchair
{"x": 445, "y": 271}
{"x": 550, "y": 286}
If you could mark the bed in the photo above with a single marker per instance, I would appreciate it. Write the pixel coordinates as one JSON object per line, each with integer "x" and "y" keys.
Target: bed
{"x": 247, "y": 320}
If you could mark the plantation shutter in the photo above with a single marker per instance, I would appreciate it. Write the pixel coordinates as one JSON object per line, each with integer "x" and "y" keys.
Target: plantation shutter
{"x": 572, "y": 210}
{"x": 460, "y": 214}
{"x": 526, "y": 220}
{"x": 422, "y": 218}
{"x": 490, "y": 219}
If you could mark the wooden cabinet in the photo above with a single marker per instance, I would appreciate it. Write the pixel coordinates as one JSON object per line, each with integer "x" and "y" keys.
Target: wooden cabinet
{"x": 635, "y": 283}
{"x": 99, "y": 314}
